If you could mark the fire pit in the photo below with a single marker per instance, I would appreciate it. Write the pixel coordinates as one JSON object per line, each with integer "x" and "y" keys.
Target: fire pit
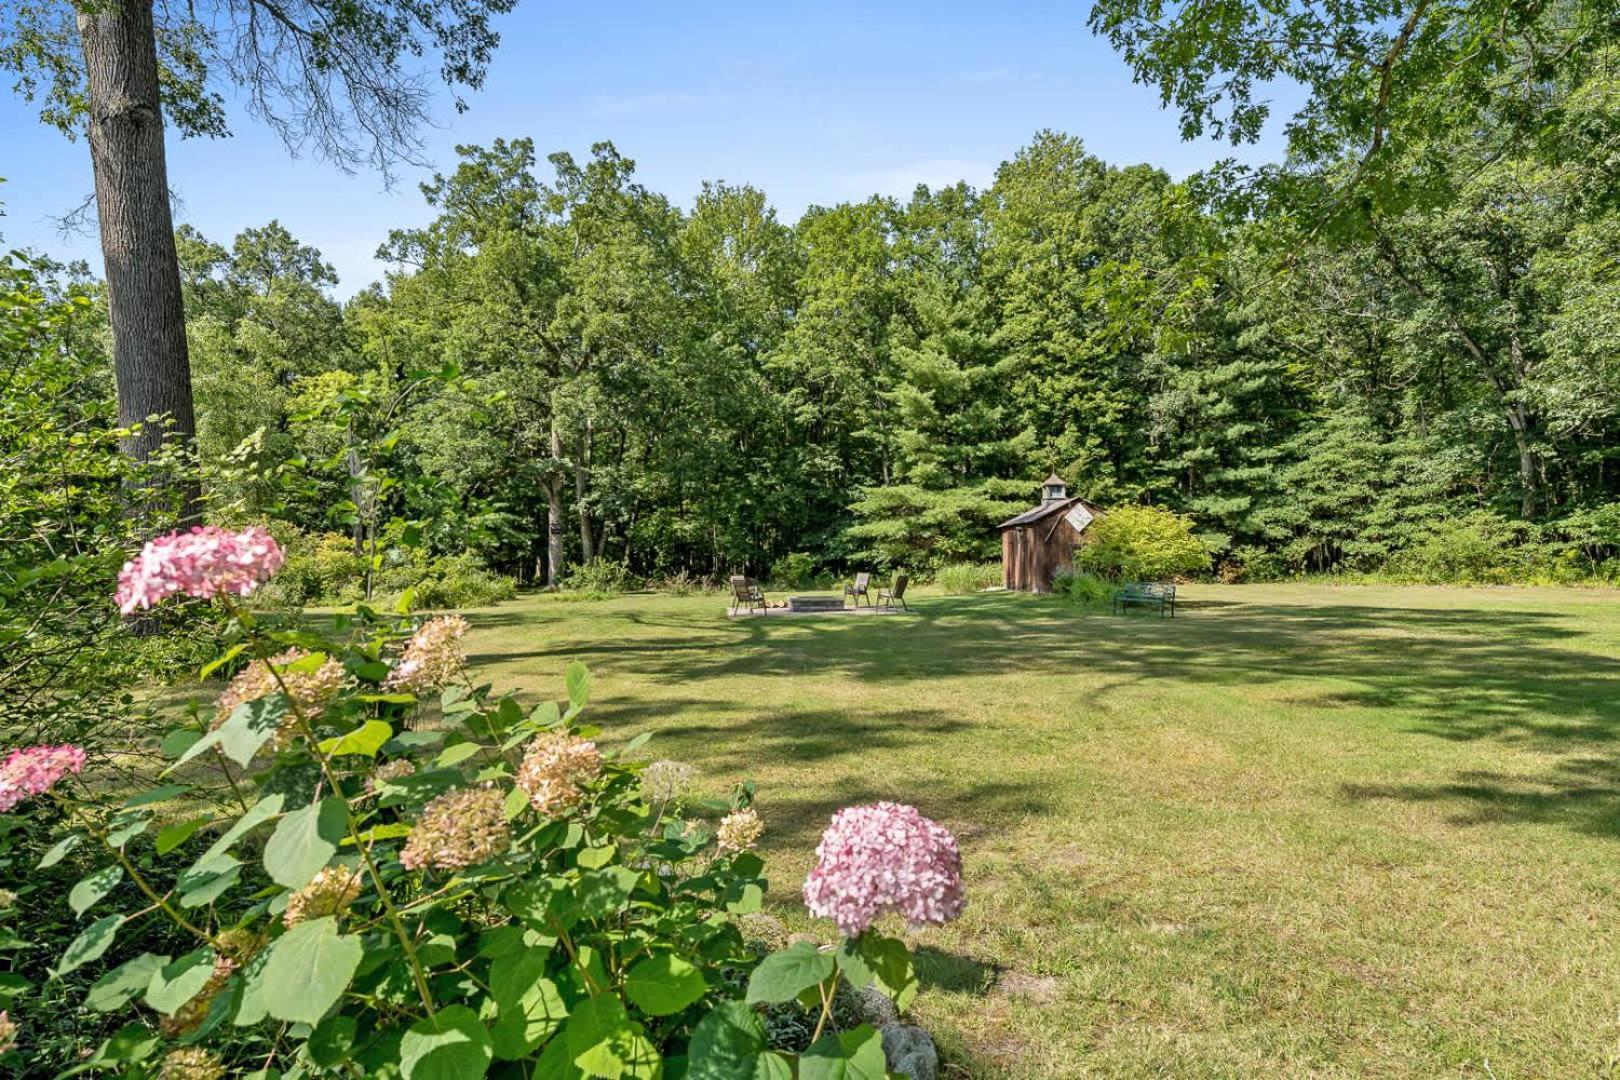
{"x": 815, "y": 603}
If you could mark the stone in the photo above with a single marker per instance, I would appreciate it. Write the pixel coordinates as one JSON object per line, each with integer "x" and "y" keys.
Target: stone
{"x": 876, "y": 1007}
{"x": 909, "y": 1051}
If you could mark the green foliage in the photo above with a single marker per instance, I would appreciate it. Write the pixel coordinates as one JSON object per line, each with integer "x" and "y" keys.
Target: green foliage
{"x": 603, "y": 576}
{"x": 65, "y": 522}
{"x": 323, "y": 568}
{"x": 962, "y": 578}
{"x": 1141, "y": 543}
{"x": 1082, "y": 587}
{"x": 797, "y": 570}
{"x": 570, "y": 924}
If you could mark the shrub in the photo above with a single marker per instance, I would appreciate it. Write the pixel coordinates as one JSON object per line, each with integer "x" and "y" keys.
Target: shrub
{"x": 1082, "y": 588}
{"x": 460, "y": 581}
{"x": 1141, "y": 543}
{"x": 795, "y": 570}
{"x": 66, "y": 522}
{"x": 960, "y": 578}
{"x": 1478, "y": 547}
{"x": 683, "y": 583}
{"x": 362, "y": 894}
{"x": 600, "y": 576}
{"x": 1254, "y": 564}
{"x": 323, "y": 569}
{"x": 320, "y": 568}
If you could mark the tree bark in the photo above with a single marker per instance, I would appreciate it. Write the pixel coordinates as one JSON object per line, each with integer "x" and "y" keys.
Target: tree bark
{"x": 554, "y": 515}
{"x": 582, "y": 488}
{"x": 554, "y": 534}
{"x": 144, "y": 306}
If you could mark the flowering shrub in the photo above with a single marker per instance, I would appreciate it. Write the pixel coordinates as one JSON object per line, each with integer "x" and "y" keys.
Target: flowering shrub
{"x": 382, "y": 867}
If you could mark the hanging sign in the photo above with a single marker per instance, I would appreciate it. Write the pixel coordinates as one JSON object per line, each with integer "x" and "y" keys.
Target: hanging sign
{"x": 1079, "y": 517}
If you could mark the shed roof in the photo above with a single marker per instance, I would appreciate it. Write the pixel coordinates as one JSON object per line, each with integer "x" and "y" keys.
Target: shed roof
{"x": 1038, "y": 513}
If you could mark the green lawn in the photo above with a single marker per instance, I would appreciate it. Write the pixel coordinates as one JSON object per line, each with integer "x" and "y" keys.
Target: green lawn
{"x": 1299, "y": 830}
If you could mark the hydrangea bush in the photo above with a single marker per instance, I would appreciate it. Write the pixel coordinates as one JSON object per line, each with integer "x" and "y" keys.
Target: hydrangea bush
{"x": 385, "y": 868}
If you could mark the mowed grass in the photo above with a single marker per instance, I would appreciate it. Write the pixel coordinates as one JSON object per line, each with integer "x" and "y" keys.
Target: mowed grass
{"x": 1299, "y": 830}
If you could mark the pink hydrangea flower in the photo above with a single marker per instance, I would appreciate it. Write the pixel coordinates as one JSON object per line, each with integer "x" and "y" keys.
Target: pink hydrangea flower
{"x": 203, "y": 562}
{"x": 885, "y": 857}
{"x": 36, "y": 770}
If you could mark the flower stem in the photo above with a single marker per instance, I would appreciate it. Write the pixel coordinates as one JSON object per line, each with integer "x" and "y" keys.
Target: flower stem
{"x": 353, "y": 823}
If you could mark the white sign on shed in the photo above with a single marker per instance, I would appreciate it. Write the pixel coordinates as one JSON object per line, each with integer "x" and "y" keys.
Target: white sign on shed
{"x": 1079, "y": 517}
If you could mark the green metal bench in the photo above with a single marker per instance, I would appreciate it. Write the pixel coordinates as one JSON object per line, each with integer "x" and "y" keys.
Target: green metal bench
{"x": 1147, "y": 594}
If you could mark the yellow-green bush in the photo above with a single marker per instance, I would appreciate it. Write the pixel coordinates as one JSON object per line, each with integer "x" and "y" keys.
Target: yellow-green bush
{"x": 1141, "y": 543}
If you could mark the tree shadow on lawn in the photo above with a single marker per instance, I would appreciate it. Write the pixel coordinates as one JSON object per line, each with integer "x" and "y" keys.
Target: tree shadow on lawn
{"x": 809, "y": 736}
{"x": 1582, "y": 794}
{"x": 1457, "y": 673}
{"x": 1510, "y": 674}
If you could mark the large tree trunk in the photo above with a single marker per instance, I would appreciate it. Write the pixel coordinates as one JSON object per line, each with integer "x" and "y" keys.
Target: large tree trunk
{"x": 554, "y": 515}
{"x": 144, "y": 306}
{"x": 554, "y": 534}
{"x": 582, "y": 489}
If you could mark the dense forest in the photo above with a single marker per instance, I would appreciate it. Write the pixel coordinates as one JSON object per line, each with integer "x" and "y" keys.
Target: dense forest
{"x": 1324, "y": 368}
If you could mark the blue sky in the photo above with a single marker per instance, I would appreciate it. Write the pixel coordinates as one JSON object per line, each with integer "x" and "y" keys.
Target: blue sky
{"x": 812, "y": 103}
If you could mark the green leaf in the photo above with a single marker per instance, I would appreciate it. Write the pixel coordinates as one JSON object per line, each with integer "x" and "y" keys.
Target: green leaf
{"x": 331, "y": 1044}
{"x": 91, "y": 888}
{"x": 727, "y": 1044}
{"x": 125, "y": 827}
{"x": 90, "y": 944}
{"x": 364, "y": 741}
{"x": 307, "y": 970}
{"x": 248, "y": 727}
{"x": 591, "y": 858}
{"x": 208, "y": 880}
{"x": 178, "y": 741}
{"x": 132, "y": 1042}
{"x": 305, "y": 841}
{"x": 172, "y": 836}
{"x": 603, "y": 1041}
{"x": 664, "y": 984}
{"x": 250, "y": 1009}
{"x": 578, "y": 679}
{"x": 604, "y": 892}
{"x": 784, "y": 975}
{"x": 529, "y": 1021}
{"x": 450, "y": 1045}
{"x": 744, "y": 898}
{"x": 12, "y": 986}
{"x": 175, "y": 984}
{"x": 260, "y": 812}
{"x": 220, "y": 661}
{"x": 455, "y": 755}
{"x": 873, "y": 958}
{"x": 59, "y": 850}
{"x": 513, "y": 973}
{"x": 115, "y": 989}
{"x": 849, "y": 1055}
{"x": 158, "y": 794}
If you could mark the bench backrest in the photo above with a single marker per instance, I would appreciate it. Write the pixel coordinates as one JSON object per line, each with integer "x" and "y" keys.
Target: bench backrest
{"x": 1152, "y": 590}
{"x": 739, "y": 587}
{"x": 899, "y": 589}
{"x": 862, "y": 581}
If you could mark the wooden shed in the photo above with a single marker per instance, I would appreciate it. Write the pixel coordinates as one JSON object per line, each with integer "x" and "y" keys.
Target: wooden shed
{"x": 1041, "y": 540}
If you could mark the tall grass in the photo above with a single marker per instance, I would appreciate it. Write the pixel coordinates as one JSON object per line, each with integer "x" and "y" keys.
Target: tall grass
{"x": 960, "y": 578}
